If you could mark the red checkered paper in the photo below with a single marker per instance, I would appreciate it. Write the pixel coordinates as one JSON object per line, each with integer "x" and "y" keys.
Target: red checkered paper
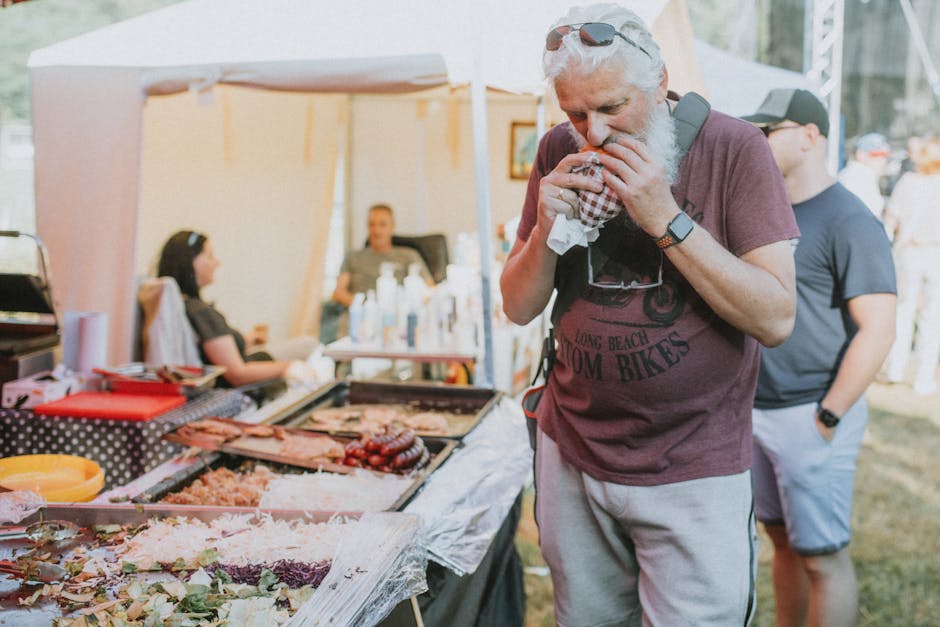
{"x": 596, "y": 208}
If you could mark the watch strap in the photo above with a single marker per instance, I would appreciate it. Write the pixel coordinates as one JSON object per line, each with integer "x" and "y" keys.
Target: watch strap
{"x": 665, "y": 241}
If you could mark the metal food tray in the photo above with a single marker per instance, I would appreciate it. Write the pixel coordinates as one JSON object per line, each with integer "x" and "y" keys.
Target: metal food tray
{"x": 440, "y": 449}
{"x": 353, "y": 587}
{"x": 87, "y": 515}
{"x": 474, "y": 402}
{"x": 254, "y": 446}
{"x": 141, "y": 378}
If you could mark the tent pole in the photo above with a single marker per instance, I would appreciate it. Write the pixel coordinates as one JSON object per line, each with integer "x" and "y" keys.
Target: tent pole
{"x": 484, "y": 221}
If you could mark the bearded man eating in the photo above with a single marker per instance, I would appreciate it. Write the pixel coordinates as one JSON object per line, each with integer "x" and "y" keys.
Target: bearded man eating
{"x": 644, "y": 429}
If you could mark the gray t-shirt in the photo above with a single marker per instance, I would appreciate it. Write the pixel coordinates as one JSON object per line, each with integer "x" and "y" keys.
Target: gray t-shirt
{"x": 843, "y": 253}
{"x": 363, "y": 266}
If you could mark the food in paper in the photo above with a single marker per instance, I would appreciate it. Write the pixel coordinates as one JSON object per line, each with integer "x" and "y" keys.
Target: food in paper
{"x": 596, "y": 208}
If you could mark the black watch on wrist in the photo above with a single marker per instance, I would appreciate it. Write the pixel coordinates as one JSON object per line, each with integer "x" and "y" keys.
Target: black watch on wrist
{"x": 828, "y": 418}
{"x": 678, "y": 229}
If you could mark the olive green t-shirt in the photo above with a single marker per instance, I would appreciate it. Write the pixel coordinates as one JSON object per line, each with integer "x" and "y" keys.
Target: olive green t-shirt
{"x": 363, "y": 266}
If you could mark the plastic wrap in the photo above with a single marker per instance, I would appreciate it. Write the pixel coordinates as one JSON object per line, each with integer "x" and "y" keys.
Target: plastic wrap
{"x": 18, "y": 504}
{"x": 379, "y": 564}
{"x": 465, "y": 501}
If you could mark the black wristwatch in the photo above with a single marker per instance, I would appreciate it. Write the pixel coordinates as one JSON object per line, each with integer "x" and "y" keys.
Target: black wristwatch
{"x": 678, "y": 229}
{"x": 826, "y": 417}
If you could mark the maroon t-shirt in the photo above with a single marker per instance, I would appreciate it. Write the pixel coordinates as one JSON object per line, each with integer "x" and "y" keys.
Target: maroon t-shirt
{"x": 651, "y": 386}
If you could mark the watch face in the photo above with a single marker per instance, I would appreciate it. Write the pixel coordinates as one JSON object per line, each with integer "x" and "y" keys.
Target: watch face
{"x": 680, "y": 227}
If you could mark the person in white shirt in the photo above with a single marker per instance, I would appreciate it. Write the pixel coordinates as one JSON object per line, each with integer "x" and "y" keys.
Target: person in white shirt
{"x": 862, "y": 175}
{"x": 912, "y": 217}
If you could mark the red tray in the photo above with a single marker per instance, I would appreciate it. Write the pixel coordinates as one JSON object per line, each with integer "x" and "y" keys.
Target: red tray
{"x": 111, "y": 405}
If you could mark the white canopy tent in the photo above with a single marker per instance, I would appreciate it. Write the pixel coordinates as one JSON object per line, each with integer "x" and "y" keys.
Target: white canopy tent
{"x": 737, "y": 86}
{"x": 118, "y": 169}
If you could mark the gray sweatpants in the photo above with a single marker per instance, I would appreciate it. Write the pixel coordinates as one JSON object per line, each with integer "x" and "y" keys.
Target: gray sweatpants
{"x": 675, "y": 554}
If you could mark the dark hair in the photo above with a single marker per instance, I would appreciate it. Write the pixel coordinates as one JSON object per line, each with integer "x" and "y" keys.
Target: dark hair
{"x": 176, "y": 260}
{"x": 382, "y": 207}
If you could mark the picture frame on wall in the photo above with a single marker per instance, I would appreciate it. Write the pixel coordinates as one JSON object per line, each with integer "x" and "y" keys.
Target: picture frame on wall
{"x": 523, "y": 143}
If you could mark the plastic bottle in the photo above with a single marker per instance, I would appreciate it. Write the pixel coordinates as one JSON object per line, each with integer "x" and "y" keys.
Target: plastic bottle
{"x": 415, "y": 287}
{"x": 355, "y": 317}
{"x": 386, "y": 288}
{"x": 371, "y": 318}
{"x": 412, "y": 331}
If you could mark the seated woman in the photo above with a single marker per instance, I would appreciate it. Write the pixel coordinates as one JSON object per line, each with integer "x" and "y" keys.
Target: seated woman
{"x": 188, "y": 258}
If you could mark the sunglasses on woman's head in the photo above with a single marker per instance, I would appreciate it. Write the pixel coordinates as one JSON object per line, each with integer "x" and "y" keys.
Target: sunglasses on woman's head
{"x": 591, "y": 34}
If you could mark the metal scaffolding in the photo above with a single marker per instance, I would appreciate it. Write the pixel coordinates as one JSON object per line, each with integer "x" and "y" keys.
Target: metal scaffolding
{"x": 933, "y": 78}
{"x": 825, "y": 65}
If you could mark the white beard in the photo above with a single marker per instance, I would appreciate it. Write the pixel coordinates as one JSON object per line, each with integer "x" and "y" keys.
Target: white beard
{"x": 660, "y": 139}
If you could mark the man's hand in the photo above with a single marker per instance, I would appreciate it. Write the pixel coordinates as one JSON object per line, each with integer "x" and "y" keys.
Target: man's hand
{"x": 827, "y": 433}
{"x": 640, "y": 182}
{"x": 558, "y": 191}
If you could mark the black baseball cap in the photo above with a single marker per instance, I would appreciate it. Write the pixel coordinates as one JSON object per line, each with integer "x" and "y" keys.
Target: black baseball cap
{"x": 796, "y": 105}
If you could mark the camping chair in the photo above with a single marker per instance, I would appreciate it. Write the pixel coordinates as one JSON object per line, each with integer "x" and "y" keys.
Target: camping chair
{"x": 167, "y": 337}
{"x": 432, "y": 248}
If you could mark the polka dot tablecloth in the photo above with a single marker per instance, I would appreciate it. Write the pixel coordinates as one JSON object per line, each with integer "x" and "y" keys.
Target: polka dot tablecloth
{"x": 124, "y": 449}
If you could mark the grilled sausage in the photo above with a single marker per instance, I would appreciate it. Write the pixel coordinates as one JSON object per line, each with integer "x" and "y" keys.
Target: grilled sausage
{"x": 376, "y": 442}
{"x": 410, "y": 457}
{"x": 402, "y": 442}
{"x": 377, "y": 460}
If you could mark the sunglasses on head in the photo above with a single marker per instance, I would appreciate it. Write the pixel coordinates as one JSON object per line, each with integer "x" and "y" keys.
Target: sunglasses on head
{"x": 591, "y": 34}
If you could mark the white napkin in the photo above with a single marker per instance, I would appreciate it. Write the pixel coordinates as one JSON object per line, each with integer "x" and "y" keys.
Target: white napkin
{"x": 567, "y": 232}
{"x": 594, "y": 209}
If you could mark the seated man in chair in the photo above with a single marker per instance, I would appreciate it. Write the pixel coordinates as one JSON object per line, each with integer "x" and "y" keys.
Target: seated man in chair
{"x": 360, "y": 268}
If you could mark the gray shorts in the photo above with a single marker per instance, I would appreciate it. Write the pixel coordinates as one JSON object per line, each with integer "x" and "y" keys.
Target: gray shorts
{"x": 675, "y": 554}
{"x": 801, "y": 480}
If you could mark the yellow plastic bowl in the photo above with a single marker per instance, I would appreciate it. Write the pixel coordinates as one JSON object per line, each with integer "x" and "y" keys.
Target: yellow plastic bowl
{"x": 57, "y": 478}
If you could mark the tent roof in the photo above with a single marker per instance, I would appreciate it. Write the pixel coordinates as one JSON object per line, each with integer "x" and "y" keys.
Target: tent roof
{"x": 366, "y": 45}
{"x": 737, "y": 86}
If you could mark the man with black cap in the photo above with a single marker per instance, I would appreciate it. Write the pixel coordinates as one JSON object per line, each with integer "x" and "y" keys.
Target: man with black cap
{"x": 810, "y": 413}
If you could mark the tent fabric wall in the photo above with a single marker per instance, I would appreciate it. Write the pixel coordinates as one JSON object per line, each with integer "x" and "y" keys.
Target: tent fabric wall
{"x": 254, "y": 171}
{"x": 672, "y": 30}
{"x": 438, "y": 194}
{"x": 86, "y": 127}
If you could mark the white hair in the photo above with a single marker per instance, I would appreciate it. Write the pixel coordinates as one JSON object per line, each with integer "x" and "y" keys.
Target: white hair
{"x": 642, "y": 63}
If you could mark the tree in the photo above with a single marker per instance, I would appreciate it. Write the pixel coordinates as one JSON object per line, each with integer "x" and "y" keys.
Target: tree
{"x": 28, "y": 26}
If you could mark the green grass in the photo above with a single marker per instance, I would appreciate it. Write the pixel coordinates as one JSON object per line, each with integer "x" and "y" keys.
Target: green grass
{"x": 896, "y": 522}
